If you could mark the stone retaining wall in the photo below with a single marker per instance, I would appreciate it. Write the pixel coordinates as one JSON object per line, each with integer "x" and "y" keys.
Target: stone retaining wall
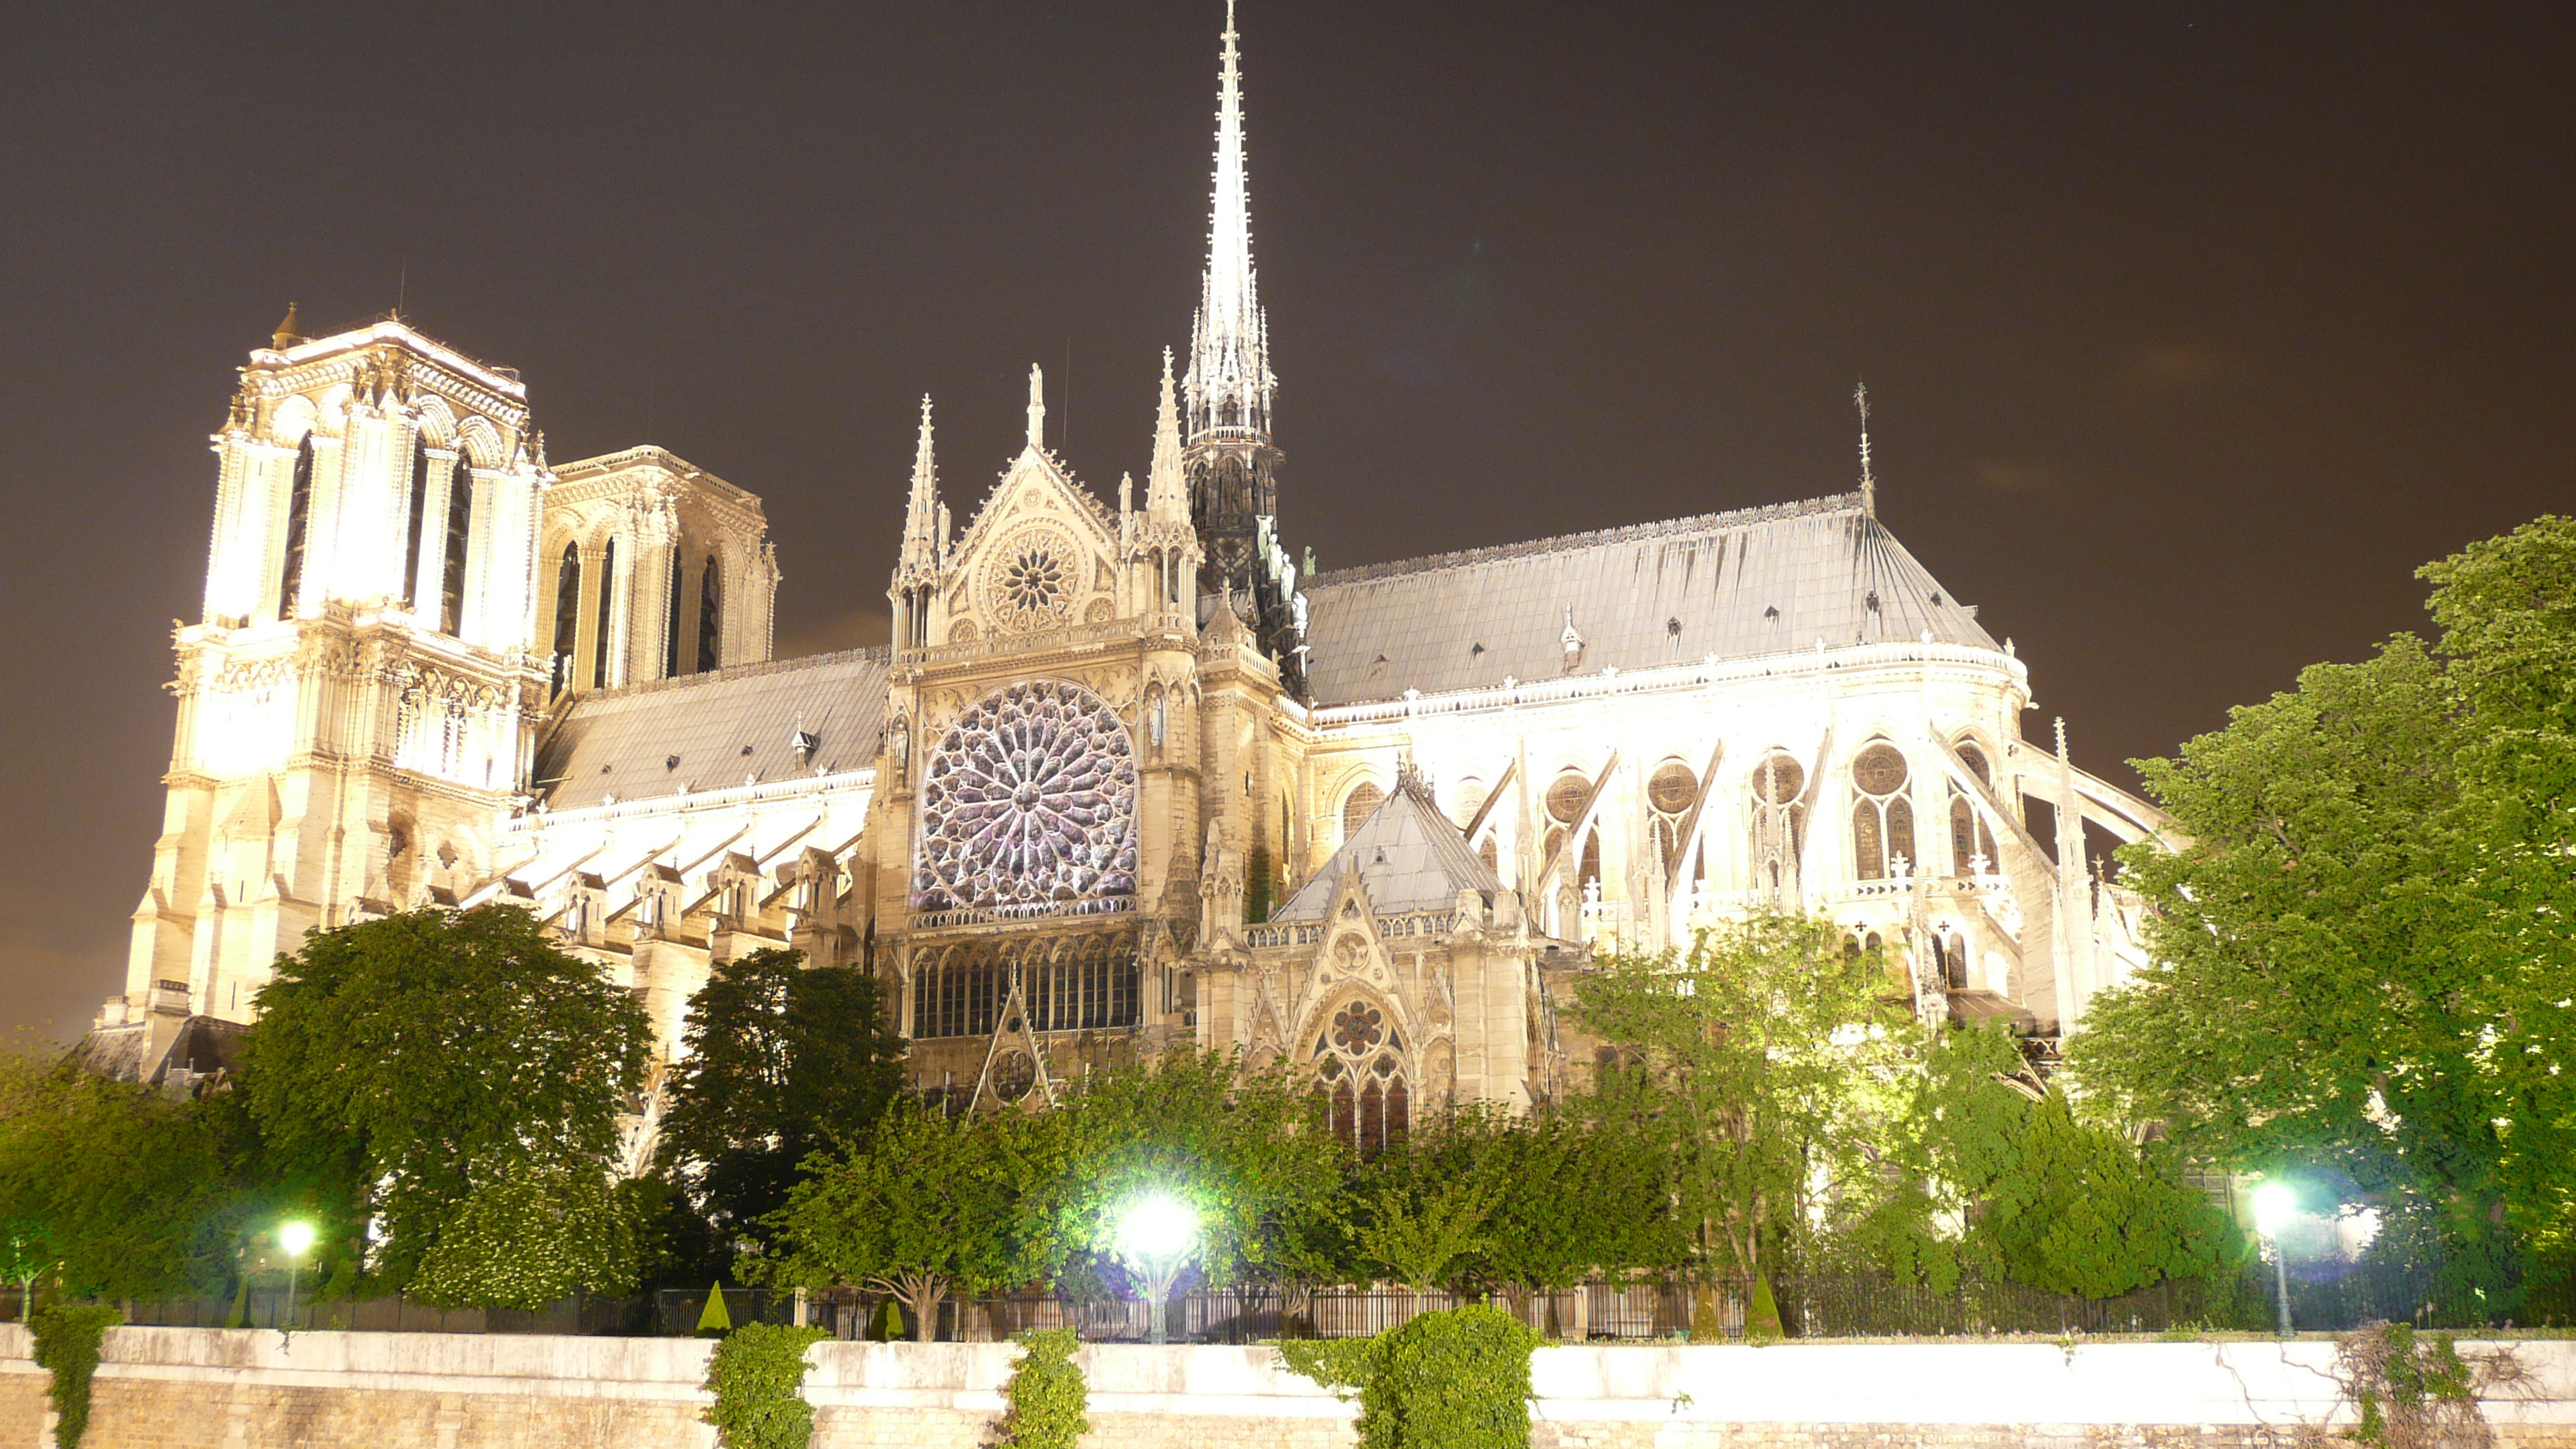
{"x": 165, "y": 1388}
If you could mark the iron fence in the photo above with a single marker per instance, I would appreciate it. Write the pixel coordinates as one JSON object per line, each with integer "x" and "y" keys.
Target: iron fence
{"x": 2323, "y": 1297}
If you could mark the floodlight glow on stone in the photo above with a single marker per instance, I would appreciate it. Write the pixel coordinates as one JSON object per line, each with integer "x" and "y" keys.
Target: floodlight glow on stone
{"x": 295, "y": 1238}
{"x": 2275, "y": 1203}
{"x": 1156, "y": 1227}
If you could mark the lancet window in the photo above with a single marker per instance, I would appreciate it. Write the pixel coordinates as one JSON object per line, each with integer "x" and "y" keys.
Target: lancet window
{"x": 460, "y": 525}
{"x": 1969, "y": 835}
{"x": 1084, "y": 983}
{"x": 1882, "y": 818}
{"x": 958, "y": 993}
{"x": 567, "y": 615}
{"x": 299, "y": 514}
{"x": 607, "y": 614}
{"x": 671, "y": 621}
{"x": 1670, "y": 793}
{"x": 1779, "y": 822}
{"x": 1356, "y": 810}
{"x": 710, "y": 613}
{"x": 1361, "y": 1078}
{"x": 417, "y": 516}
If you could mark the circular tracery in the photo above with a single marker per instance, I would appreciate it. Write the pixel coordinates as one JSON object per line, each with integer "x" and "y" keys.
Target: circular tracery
{"x": 1029, "y": 802}
{"x": 1032, "y": 579}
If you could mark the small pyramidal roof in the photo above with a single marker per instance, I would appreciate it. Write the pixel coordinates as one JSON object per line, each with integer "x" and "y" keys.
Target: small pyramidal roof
{"x": 1408, "y": 857}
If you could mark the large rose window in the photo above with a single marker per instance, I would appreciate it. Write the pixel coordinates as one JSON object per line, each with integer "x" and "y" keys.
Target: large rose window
{"x": 1029, "y": 803}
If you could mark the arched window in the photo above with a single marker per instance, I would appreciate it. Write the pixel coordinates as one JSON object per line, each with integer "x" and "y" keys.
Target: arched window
{"x": 599, "y": 651}
{"x": 567, "y": 614}
{"x": 1363, "y": 802}
{"x": 1670, "y": 793}
{"x": 1088, "y": 984}
{"x": 419, "y": 510}
{"x": 1882, "y": 819}
{"x": 710, "y": 614}
{"x": 1969, "y": 835}
{"x": 299, "y": 513}
{"x": 1779, "y": 821}
{"x": 1591, "y": 872}
{"x": 1360, "y": 1075}
{"x": 671, "y": 622}
{"x": 460, "y": 524}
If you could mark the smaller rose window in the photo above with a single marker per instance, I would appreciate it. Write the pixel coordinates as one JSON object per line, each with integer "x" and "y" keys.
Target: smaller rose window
{"x": 1033, "y": 579}
{"x": 1357, "y": 1027}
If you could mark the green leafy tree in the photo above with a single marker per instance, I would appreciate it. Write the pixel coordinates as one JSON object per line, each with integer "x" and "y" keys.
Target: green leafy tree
{"x": 1230, "y": 1142}
{"x": 925, "y": 1207}
{"x": 429, "y": 1072}
{"x": 781, "y": 1062}
{"x": 2360, "y": 947}
{"x": 103, "y": 1185}
{"x": 1766, "y": 1055}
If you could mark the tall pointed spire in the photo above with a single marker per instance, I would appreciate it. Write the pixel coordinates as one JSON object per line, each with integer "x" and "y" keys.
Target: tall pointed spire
{"x": 1167, "y": 496}
{"x": 921, "y": 512}
{"x": 1868, "y": 484}
{"x": 1230, "y": 384}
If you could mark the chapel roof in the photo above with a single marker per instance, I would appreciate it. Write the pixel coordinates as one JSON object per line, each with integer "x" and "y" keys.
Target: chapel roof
{"x": 1408, "y": 856}
{"x": 1754, "y": 581}
{"x": 720, "y": 726}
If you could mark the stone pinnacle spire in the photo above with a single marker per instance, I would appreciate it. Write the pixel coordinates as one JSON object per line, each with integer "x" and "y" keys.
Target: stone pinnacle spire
{"x": 1229, "y": 383}
{"x": 921, "y": 512}
{"x": 1166, "y": 492}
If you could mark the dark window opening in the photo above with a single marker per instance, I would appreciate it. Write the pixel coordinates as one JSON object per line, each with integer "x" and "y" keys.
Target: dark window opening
{"x": 710, "y": 614}
{"x": 460, "y": 524}
{"x": 419, "y": 508}
{"x": 567, "y": 615}
{"x": 599, "y": 652}
{"x": 299, "y": 512}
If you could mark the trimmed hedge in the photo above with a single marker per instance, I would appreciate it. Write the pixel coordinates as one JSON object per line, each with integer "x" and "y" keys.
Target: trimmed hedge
{"x": 1453, "y": 1380}
{"x": 1047, "y": 1393}
{"x": 757, "y": 1373}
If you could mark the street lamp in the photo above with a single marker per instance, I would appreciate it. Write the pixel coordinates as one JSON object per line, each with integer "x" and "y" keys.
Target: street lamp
{"x": 295, "y": 1238}
{"x": 1156, "y": 1235}
{"x": 2275, "y": 1203}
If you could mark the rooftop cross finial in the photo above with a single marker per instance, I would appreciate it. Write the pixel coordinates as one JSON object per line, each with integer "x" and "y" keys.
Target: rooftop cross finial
{"x": 1230, "y": 384}
{"x": 1037, "y": 408}
{"x": 1868, "y": 484}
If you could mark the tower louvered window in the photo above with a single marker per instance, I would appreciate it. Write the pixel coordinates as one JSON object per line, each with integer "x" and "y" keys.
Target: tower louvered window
{"x": 1882, "y": 818}
{"x": 460, "y": 525}
{"x": 567, "y": 615}
{"x": 419, "y": 506}
{"x": 299, "y": 513}
{"x": 607, "y": 613}
{"x": 671, "y": 622}
{"x": 710, "y": 613}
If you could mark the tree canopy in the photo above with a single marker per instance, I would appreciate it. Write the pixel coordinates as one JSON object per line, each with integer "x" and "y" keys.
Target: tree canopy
{"x": 436, "y": 1069}
{"x": 2361, "y": 952}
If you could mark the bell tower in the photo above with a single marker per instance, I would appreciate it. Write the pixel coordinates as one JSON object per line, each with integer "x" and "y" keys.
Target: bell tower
{"x": 355, "y": 699}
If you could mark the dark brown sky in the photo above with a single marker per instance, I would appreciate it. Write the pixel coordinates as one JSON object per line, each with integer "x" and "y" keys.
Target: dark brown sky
{"x": 2190, "y": 329}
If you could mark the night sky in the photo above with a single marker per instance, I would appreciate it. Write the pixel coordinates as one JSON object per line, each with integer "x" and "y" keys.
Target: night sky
{"x": 2189, "y": 330}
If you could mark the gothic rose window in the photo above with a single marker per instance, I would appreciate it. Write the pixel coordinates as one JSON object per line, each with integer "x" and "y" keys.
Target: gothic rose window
{"x": 1034, "y": 580}
{"x": 1882, "y": 819}
{"x": 1029, "y": 803}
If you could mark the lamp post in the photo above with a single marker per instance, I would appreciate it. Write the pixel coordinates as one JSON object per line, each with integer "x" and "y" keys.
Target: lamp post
{"x": 295, "y": 1238}
{"x": 2275, "y": 1203}
{"x": 1156, "y": 1235}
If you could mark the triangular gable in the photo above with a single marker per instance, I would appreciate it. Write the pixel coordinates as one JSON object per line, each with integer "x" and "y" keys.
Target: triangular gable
{"x": 1407, "y": 857}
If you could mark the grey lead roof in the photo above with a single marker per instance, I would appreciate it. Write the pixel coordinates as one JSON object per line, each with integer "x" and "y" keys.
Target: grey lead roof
{"x": 722, "y": 727}
{"x": 1735, "y": 585}
{"x": 1410, "y": 858}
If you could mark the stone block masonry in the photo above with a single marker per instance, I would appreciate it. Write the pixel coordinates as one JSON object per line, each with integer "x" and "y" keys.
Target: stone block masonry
{"x": 164, "y": 1388}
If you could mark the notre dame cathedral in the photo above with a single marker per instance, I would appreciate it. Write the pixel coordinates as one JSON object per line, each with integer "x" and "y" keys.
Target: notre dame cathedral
{"x": 1126, "y": 776}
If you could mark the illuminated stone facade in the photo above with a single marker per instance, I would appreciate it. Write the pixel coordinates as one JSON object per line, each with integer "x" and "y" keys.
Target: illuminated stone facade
{"x": 1126, "y": 776}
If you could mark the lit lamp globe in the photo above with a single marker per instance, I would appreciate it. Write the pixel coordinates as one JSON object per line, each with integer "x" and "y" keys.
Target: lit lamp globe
{"x": 2275, "y": 1203}
{"x": 295, "y": 1238}
{"x": 1156, "y": 1235}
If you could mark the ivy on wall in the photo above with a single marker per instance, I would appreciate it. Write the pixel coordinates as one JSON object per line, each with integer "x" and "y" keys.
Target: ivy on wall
{"x": 67, "y": 1346}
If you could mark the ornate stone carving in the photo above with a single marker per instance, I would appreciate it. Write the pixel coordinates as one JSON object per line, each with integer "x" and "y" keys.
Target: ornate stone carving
{"x": 1029, "y": 802}
{"x": 1032, "y": 580}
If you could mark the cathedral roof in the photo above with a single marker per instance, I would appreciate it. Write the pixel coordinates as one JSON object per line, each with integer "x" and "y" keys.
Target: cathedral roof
{"x": 1769, "y": 580}
{"x": 1409, "y": 858}
{"x": 719, "y": 727}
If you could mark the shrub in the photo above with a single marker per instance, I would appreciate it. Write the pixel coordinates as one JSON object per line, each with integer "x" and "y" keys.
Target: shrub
{"x": 1454, "y": 1380}
{"x": 67, "y": 1342}
{"x": 1047, "y": 1394}
{"x": 756, "y": 1373}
